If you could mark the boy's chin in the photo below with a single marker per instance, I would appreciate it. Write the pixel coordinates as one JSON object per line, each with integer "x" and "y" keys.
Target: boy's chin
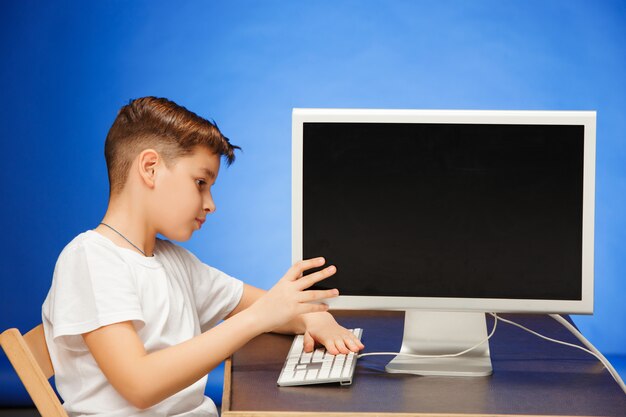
{"x": 178, "y": 236}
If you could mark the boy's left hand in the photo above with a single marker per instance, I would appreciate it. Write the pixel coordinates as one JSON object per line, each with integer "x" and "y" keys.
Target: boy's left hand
{"x": 322, "y": 328}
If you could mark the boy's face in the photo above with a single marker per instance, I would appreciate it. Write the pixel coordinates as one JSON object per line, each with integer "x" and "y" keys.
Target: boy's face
{"x": 182, "y": 194}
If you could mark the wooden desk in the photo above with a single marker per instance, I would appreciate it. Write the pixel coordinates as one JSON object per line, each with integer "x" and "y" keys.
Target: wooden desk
{"x": 531, "y": 377}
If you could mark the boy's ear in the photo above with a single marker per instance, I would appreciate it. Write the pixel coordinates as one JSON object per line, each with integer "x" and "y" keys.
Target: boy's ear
{"x": 149, "y": 160}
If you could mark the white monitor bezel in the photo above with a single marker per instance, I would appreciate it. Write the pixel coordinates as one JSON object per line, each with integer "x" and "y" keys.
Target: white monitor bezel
{"x": 585, "y": 118}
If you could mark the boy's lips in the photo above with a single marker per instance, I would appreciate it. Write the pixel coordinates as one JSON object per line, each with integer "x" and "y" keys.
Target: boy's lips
{"x": 200, "y": 222}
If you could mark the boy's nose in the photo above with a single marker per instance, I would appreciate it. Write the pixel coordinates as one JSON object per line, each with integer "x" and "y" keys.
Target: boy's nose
{"x": 209, "y": 206}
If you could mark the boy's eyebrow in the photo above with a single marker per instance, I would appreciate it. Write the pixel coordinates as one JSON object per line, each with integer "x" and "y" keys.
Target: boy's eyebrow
{"x": 209, "y": 173}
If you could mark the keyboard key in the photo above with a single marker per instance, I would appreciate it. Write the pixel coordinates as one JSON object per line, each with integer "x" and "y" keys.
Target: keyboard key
{"x": 324, "y": 373}
{"x": 298, "y": 343}
{"x": 318, "y": 355}
{"x": 335, "y": 373}
{"x": 311, "y": 374}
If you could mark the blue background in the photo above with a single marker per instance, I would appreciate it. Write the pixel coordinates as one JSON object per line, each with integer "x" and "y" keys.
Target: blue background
{"x": 68, "y": 66}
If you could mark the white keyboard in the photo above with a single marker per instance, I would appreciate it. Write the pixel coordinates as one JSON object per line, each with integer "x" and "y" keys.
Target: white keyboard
{"x": 317, "y": 367}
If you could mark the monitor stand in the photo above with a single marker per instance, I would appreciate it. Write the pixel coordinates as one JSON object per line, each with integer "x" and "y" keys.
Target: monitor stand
{"x": 436, "y": 333}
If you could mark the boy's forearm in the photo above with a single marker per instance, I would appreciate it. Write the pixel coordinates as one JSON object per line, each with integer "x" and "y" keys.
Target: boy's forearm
{"x": 167, "y": 371}
{"x": 187, "y": 362}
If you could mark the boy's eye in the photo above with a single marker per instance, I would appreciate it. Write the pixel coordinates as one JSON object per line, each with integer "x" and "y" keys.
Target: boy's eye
{"x": 201, "y": 183}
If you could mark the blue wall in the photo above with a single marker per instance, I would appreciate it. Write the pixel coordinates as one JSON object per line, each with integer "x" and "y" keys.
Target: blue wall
{"x": 68, "y": 66}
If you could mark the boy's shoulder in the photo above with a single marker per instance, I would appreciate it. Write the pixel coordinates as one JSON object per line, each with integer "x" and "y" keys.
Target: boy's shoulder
{"x": 88, "y": 242}
{"x": 82, "y": 240}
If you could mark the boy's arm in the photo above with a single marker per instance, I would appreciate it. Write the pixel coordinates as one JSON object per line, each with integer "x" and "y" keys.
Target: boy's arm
{"x": 145, "y": 379}
{"x": 316, "y": 327}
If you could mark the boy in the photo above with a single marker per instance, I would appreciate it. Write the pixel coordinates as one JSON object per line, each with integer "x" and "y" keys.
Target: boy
{"x": 130, "y": 320}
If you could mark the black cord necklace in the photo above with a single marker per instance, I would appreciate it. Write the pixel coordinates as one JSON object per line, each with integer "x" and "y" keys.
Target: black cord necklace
{"x": 124, "y": 237}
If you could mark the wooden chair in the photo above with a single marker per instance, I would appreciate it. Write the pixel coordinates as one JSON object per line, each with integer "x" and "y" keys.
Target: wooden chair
{"x": 30, "y": 357}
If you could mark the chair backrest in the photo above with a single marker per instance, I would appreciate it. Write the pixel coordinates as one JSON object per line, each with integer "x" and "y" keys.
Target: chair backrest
{"x": 30, "y": 357}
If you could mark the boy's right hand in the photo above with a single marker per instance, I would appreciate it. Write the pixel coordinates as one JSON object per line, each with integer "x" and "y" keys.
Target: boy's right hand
{"x": 288, "y": 298}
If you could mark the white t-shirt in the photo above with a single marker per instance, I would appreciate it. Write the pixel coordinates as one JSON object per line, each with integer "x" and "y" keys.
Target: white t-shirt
{"x": 170, "y": 298}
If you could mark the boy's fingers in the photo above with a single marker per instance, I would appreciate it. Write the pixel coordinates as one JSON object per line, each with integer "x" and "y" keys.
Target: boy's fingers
{"x": 314, "y": 295}
{"x": 299, "y": 267}
{"x": 329, "y": 344}
{"x": 352, "y": 345}
{"x": 307, "y": 281}
{"x": 309, "y": 343}
{"x": 312, "y": 308}
{"x": 341, "y": 346}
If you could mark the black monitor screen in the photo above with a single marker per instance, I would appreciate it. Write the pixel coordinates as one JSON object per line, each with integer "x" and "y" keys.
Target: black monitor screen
{"x": 445, "y": 210}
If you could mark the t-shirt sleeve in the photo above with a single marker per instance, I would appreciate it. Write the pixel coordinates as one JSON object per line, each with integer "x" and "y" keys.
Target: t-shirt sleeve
{"x": 215, "y": 293}
{"x": 91, "y": 287}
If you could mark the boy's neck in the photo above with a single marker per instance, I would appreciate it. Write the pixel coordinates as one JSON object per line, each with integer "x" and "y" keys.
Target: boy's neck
{"x": 129, "y": 220}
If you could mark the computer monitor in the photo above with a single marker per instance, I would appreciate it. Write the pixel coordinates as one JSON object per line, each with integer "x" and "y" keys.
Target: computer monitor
{"x": 447, "y": 215}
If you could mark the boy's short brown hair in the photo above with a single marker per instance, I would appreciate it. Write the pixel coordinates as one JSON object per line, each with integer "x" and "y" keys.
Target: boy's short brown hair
{"x": 160, "y": 124}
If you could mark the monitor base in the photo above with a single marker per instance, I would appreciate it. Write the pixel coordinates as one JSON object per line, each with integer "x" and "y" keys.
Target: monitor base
{"x": 439, "y": 333}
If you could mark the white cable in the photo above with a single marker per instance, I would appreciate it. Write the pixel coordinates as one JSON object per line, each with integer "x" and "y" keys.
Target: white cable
{"x": 448, "y": 355}
{"x": 547, "y": 338}
{"x": 592, "y": 350}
